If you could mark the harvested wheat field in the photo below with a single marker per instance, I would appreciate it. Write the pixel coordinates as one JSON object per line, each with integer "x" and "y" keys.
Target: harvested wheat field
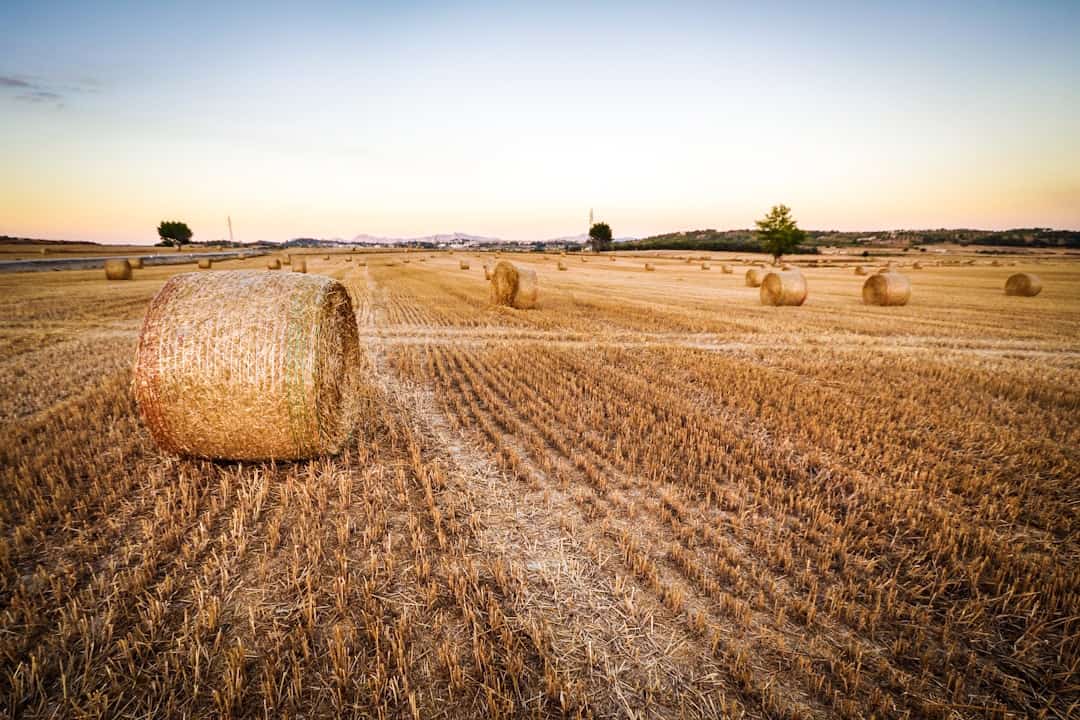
{"x": 648, "y": 496}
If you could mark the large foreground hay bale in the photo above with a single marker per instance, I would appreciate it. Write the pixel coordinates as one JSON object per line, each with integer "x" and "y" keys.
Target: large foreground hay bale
{"x": 135, "y": 263}
{"x": 248, "y": 365}
{"x": 513, "y": 286}
{"x": 886, "y": 288}
{"x": 784, "y": 287}
{"x": 1023, "y": 285}
{"x": 117, "y": 269}
{"x": 299, "y": 265}
{"x": 273, "y": 264}
{"x": 755, "y": 275}
{"x": 205, "y": 263}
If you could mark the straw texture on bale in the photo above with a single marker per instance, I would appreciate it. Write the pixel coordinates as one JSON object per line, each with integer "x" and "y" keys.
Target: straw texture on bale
{"x": 273, "y": 264}
{"x": 462, "y": 265}
{"x": 886, "y": 288}
{"x": 299, "y": 265}
{"x": 205, "y": 263}
{"x": 754, "y": 276}
{"x": 513, "y": 286}
{"x": 117, "y": 269}
{"x": 1023, "y": 284}
{"x": 248, "y": 365}
{"x": 135, "y": 263}
{"x": 783, "y": 288}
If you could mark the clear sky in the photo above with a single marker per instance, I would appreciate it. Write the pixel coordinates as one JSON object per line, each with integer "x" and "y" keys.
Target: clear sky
{"x": 505, "y": 119}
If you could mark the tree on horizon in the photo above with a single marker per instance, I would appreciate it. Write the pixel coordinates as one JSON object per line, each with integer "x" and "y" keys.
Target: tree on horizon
{"x": 173, "y": 232}
{"x": 600, "y": 236}
{"x": 779, "y": 233}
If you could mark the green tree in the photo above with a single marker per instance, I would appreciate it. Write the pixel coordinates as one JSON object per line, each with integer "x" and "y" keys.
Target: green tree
{"x": 173, "y": 232}
{"x": 600, "y": 237}
{"x": 778, "y": 232}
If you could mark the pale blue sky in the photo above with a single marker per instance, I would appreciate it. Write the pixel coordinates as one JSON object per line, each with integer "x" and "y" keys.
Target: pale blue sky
{"x": 334, "y": 119}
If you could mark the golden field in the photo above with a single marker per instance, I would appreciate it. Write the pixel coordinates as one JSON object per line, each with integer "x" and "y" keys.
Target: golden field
{"x": 651, "y": 496}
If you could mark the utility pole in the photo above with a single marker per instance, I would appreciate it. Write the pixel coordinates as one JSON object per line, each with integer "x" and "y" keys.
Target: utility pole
{"x": 229, "y": 219}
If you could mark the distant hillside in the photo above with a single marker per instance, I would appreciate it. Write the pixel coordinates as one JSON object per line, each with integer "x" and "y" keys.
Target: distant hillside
{"x": 730, "y": 240}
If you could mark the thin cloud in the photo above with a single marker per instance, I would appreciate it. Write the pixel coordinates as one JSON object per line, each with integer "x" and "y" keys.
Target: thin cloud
{"x": 37, "y": 96}
{"x": 32, "y": 91}
{"x": 13, "y": 82}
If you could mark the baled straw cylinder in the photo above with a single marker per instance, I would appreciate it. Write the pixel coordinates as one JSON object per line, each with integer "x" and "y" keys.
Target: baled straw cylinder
{"x": 917, "y": 266}
{"x": 1023, "y": 285}
{"x": 786, "y": 287}
{"x": 326, "y": 257}
{"x": 135, "y": 263}
{"x": 248, "y": 365}
{"x": 649, "y": 267}
{"x": 462, "y": 265}
{"x": 886, "y": 288}
{"x": 513, "y": 286}
{"x": 286, "y": 260}
{"x": 299, "y": 265}
{"x": 273, "y": 264}
{"x": 704, "y": 266}
{"x": 487, "y": 273}
{"x": 754, "y": 276}
{"x": 348, "y": 259}
{"x": 860, "y": 270}
{"x": 205, "y": 263}
{"x": 562, "y": 265}
{"x": 612, "y": 258}
{"x": 117, "y": 269}
{"x": 726, "y": 269}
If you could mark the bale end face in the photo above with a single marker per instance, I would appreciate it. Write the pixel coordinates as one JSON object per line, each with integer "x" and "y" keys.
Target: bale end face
{"x": 205, "y": 263}
{"x": 117, "y": 270}
{"x": 299, "y": 265}
{"x": 886, "y": 289}
{"x": 786, "y": 288}
{"x": 248, "y": 365}
{"x": 754, "y": 276}
{"x": 1023, "y": 285}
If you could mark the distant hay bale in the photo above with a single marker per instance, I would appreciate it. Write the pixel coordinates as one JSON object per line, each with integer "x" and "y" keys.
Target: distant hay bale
{"x": 136, "y": 263}
{"x": 917, "y": 266}
{"x": 487, "y": 273}
{"x": 44, "y": 251}
{"x": 861, "y": 270}
{"x": 299, "y": 265}
{"x": 562, "y": 265}
{"x": 326, "y": 257}
{"x": 273, "y": 264}
{"x": 785, "y": 267}
{"x": 726, "y": 269}
{"x": 348, "y": 259}
{"x": 286, "y": 260}
{"x": 704, "y": 266}
{"x": 754, "y": 276}
{"x": 513, "y": 286}
{"x": 406, "y": 261}
{"x": 205, "y": 263}
{"x": 362, "y": 263}
{"x": 886, "y": 288}
{"x": 649, "y": 267}
{"x": 996, "y": 263}
{"x": 117, "y": 269}
{"x": 784, "y": 287}
{"x": 613, "y": 258}
{"x": 463, "y": 265}
{"x": 248, "y": 365}
{"x": 1023, "y": 285}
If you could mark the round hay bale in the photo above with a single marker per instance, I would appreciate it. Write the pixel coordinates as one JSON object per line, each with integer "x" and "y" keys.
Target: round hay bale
{"x": 995, "y": 263}
{"x": 273, "y": 264}
{"x": 299, "y": 265}
{"x": 613, "y": 258}
{"x": 649, "y": 267}
{"x": 861, "y": 270}
{"x": 117, "y": 269}
{"x": 917, "y": 266}
{"x": 783, "y": 288}
{"x": 1023, "y": 285}
{"x": 704, "y": 266}
{"x": 362, "y": 263}
{"x": 247, "y": 365}
{"x": 785, "y": 267}
{"x": 462, "y": 265}
{"x": 514, "y": 287}
{"x": 286, "y": 260}
{"x": 726, "y": 269}
{"x": 562, "y": 265}
{"x": 886, "y": 288}
{"x": 205, "y": 263}
{"x": 348, "y": 259}
{"x": 135, "y": 263}
{"x": 754, "y": 276}
{"x": 326, "y": 257}
{"x": 487, "y": 273}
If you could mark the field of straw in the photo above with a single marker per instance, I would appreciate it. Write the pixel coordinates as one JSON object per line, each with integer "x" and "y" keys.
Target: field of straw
{"x": 648, "y": 496}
